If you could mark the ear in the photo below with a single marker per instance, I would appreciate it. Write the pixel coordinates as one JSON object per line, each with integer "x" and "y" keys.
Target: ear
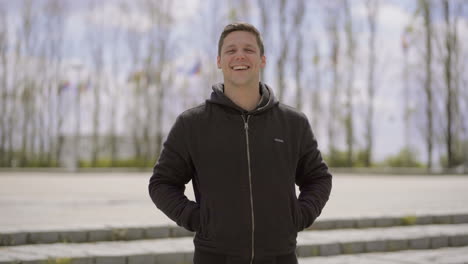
{"x": 218, "y": 62}
{"x": 263, "y": 63}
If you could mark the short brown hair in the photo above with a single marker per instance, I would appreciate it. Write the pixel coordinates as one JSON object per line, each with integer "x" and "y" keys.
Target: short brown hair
{"x": 241, "y": 26}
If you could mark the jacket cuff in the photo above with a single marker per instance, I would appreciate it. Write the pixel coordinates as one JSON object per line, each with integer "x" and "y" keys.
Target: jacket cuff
{"x": 307, "y": 217}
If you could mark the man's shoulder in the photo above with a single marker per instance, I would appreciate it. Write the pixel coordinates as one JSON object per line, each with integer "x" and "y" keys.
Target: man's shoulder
{"x": 291, "y": 112}
{"x": 193, "y": 112}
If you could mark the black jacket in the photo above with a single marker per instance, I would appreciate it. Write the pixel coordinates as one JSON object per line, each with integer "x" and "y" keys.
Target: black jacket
{"x": 243, "y": 167}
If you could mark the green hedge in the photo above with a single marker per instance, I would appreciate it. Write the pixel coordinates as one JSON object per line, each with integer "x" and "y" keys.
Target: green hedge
{"x": 406, "y": 158}
{"x": 20, "y": 160}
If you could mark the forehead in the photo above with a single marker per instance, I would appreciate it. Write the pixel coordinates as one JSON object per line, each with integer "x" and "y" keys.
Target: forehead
{"x": 240, "y": 38}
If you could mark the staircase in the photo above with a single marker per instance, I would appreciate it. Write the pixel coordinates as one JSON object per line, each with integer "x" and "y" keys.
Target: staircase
{"x": 403, "y": 239}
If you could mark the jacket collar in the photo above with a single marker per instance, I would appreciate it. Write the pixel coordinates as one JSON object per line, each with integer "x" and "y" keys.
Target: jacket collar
{"x": 267, "y": 100}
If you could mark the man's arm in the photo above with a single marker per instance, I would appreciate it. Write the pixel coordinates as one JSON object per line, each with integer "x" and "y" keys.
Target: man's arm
{"x": 173, "y": 170}
{"x": 313, "y": 179}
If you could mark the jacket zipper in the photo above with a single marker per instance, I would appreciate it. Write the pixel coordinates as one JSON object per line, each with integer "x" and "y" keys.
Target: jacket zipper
{"x": 246, "y": 128}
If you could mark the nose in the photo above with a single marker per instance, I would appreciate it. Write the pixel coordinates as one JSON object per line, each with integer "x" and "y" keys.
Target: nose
{"x": 239, "y": 56}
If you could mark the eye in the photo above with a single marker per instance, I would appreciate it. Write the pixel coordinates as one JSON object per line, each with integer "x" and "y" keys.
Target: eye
{"x": 249, "y": 50}
{"x": 230, "y": 51}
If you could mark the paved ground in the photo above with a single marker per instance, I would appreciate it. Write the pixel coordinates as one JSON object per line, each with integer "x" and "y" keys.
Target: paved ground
{"x": 65, "y": 200}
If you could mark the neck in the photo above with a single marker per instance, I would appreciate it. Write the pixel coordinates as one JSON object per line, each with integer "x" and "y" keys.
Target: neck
{"x": 246, "y": 97}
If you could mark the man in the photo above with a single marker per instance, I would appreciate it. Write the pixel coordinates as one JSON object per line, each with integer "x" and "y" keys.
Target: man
{"x": 243, "y": 151}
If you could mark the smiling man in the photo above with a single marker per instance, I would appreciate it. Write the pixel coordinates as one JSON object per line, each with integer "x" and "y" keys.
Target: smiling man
{"x": 244, "y": 152}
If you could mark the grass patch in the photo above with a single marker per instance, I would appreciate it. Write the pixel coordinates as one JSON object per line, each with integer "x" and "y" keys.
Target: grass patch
{"x": 59, "y": 261}
{"x": 409, "y": 220}
{"x": 123, "y": 163}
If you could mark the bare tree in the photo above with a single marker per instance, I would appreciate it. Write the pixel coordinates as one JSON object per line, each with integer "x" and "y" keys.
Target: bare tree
{"x": 298, "y": 58}
{"x": 429, "y": 131}
{"x": 334, "y": 41}
{"x": 134, "y": 116}
{"x": 115, "y": 88}
{"x": 211, "y": 22}
{"x": 28, "y": 88}
{"x": 372, "y": 13}
{"x": 41, "y": 101}
{"x": 283, "y": 48}
{"x": 448, "y": 82}
{"x": 3, "y": 85}
{"x": 265, "y": 24}
{"x": 54, "y": 14}
{"x": 297, "y": 25}
{"x": 151, "y": 78}
{"x": 150, "y": 97}
{"x": 461, "y": 60}
{"x": 96, "y": 43}
{"x": 406, "y": 90}
{"x": 316, "y": 105}
{"x": 12, "y": 116}
{"x": 28, "y": 81}
{"x": 451, "y": 101}
{"x": 161, "y": 15}
{"x": 78, "y": 69}
{"x": 349, "y": 106}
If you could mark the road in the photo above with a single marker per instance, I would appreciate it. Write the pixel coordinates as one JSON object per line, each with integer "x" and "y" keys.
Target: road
{"x": 34, "y": 201}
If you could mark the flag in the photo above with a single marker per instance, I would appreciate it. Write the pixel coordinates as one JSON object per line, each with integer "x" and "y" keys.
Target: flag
{"x": 63, "y": 86}
{"x": 196, "y": 68}
{"x": 84, "y": 86}
{"x": 136, "y": 76}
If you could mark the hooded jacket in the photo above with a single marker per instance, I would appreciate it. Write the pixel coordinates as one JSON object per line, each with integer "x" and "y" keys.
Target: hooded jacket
{"x": 243, "y": 167}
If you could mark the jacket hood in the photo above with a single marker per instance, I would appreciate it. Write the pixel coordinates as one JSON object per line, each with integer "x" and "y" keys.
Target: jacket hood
{"x": 267, "y": 100}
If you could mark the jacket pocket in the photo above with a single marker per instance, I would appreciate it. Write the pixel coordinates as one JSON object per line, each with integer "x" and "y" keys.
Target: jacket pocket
{"x": 297, "y": 215}
{"x": 204, "y": 229}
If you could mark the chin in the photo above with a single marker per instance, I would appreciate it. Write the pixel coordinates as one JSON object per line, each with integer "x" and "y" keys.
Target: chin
{"x": 241, "y": 82}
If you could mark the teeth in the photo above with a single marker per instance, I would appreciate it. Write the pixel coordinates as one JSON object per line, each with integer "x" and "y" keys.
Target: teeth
{"x": 240, "y": 67}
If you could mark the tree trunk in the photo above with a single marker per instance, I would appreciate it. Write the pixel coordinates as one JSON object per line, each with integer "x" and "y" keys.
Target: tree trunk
{"x": 283, "y": 50}
{"x": 349, "y": 123}
{"x": 263, "y": 6}
{"x": 298, "y": 21}
{"x": 448, "y": 83}
{"x": 372, "y": 11}
{"x": 428, "y": 81}
{"x": 334, "y": 59}
{"x": 316, "y": 105}
{"x": 4, "y": 89}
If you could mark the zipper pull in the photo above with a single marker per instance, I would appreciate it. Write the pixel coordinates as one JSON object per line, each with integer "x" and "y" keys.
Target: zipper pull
{"x": 246, "y": 121}
{"x": 246, "y": 124}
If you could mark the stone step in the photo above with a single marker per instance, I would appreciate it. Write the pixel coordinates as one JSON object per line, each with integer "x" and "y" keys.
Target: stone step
{"x": 125, "y": 233}
{"x": 432, "y": 256}
{"x": 180, "y": 250}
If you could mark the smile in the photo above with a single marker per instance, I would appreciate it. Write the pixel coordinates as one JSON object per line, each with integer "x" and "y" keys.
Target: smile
{"x": 240, "y": 68}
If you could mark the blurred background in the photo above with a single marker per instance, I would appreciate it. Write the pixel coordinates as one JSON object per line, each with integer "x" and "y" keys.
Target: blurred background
{"x": 99, "y": 83}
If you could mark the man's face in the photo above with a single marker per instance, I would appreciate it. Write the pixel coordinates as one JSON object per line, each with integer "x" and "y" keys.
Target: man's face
{"x": 240, "y": 59}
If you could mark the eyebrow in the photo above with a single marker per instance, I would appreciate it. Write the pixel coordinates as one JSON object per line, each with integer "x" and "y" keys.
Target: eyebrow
{"x": 233, "y": 45}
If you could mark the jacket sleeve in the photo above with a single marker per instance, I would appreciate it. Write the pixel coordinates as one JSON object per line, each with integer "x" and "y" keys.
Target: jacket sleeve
{"x": 173, "y": 170}
{"x": 313, "y": 179}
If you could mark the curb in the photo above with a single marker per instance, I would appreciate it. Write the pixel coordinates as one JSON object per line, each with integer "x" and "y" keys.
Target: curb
{"x": 16, "y": 238}
{"x": 391, "y": 245}
{"x": 139, "y": 254}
